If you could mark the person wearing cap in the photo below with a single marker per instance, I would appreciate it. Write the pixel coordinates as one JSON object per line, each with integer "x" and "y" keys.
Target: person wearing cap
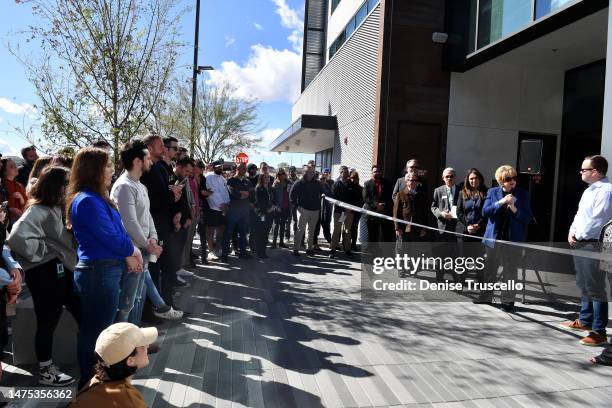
{"x": 218, "y": 203}
{"x": 121, "y": 350}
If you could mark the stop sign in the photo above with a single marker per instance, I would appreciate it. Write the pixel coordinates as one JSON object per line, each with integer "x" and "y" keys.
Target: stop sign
{"x": 242, "y": 158}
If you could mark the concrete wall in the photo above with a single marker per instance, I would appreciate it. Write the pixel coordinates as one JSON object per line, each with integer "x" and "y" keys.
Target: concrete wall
{"x": 490, "y": 105}
{"x": 346, "y": 88}
{"x": 337, "y": 21}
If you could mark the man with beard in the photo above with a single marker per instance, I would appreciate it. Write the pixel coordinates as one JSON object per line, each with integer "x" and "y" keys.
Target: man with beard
{"x": 218, "y": 203}
{"x": 240, "y": 191}
{"x": 133, "y": 204}
{"x": 163, "y": 196}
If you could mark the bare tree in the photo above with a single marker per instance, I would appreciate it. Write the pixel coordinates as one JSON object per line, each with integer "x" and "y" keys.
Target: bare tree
{"x": 225, "y": 123}
{"x": 104, "y": 65}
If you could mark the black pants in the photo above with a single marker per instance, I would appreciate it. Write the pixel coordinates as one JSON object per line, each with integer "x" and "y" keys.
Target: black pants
{"x": 50, "y": 293}
{"x": 447, "y": 246}
{"x": 163, "y": 272}
{"x": 202, "y": 232}
{"x": 292, "y": 217}
{"x": 252, "y": 230}
{"x": 262, "y": 230}
{"x": 280, "y": 223}
{"x": 354, "y": 228}
{"x": 324, "y": 223}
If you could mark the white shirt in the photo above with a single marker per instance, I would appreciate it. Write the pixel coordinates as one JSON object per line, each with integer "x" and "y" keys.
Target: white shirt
{"x": 220, "y": 195}
{"x": 594, "y": 210}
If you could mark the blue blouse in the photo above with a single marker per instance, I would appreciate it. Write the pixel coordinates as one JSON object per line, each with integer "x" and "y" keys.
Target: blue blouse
{"x": 98, "y": 229}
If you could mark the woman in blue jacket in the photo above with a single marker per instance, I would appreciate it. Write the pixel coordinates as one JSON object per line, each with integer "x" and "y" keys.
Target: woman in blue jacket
{"x": 104, "y": 249}
{"x": 507, "y": 208}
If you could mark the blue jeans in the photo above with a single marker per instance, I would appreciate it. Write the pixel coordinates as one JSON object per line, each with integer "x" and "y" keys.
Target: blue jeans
{"x": 240, "y": 221}
{"x": 98, "y": 285}
{"x": 131, "y": 300}
{"x": 152, "y": 292}
{"x": 590, "y": 279}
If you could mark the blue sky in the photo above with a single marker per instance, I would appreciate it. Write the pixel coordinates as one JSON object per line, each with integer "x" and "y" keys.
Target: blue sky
{"x": 253, "y": 44}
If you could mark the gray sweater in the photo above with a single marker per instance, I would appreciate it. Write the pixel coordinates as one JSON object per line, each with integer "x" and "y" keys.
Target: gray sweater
{"x": 39, "y": 235}
{"x": 132, "y": 199}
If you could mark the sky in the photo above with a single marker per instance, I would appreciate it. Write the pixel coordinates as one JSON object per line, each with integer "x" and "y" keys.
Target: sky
{"x": 255, "y": 45}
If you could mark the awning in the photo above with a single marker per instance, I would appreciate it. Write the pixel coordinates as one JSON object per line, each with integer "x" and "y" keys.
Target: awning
{"x": 308, "y": 134}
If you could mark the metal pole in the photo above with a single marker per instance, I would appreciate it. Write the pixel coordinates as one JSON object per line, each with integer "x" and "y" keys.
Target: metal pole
{"x": 194, "y": 90}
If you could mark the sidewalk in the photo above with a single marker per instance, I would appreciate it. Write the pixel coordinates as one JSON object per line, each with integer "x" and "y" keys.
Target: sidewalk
{"x": 292, "y": 332}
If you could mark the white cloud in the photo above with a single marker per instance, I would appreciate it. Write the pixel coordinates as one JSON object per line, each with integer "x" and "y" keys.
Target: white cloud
{"x": 9, "y": 149}
{"x": 268, "y": 75}
{"x": 267, "y": 136}
{"x": 292, "y": 20}
{"x": 16, "y": 108}
{"x": 230, "y": 40}
{"x": 258, "y": 26}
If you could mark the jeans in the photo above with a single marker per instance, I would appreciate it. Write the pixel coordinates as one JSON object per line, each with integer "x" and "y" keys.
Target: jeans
{"x": 280, "y": 223}
{"x": 50, "y": 293}
{"x": 152, "y": 292}
{"x": 98, "y": 284}
{"x": 236, "y": 221}
{"x": 590, "y": 279}
{"x": 131, "y": 301}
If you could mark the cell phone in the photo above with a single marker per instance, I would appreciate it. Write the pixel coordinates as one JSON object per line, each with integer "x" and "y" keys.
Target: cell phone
{"x": 4, "y": 206}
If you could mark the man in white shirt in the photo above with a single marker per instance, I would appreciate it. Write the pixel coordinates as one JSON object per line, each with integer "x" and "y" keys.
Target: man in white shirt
{"x": 218, "y": 203}
{"x": 594, "y": 211}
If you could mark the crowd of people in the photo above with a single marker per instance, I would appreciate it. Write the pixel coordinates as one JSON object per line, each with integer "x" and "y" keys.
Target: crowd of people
{"x": 113, "y": 247}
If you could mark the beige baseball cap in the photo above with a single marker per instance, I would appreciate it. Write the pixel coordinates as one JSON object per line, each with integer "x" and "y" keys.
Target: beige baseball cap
{"x": 119, "y": 340}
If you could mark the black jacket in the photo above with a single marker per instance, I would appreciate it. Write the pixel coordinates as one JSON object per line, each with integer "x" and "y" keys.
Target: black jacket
{"x": 157, "y": 181}
{"x": 235, "y": 186}
{"x": 306, "y": 194}
{"x": 371, "y": 199}
{"x": 264, "y": 199}
{"x": 345, "y": 191}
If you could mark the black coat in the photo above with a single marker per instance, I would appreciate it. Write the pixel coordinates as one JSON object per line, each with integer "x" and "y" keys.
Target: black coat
{"x": 371, "y": 199}
{"x": 163, "y": 207}
{"x": 264, "y": 200}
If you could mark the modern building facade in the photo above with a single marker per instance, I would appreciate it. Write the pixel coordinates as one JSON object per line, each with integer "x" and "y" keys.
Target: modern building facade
{"x": 458, "y": 83}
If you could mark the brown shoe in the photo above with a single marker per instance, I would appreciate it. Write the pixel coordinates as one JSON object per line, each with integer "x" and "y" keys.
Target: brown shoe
{"x": 575, "y": 325}
{"x": 594, "y": 339}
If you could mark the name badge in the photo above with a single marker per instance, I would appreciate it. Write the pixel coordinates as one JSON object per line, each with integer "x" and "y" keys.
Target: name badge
{"x": 60, "y": 270}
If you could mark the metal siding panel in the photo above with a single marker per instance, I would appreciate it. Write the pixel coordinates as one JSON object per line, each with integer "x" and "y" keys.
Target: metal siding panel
{"x": 346, "y": 87}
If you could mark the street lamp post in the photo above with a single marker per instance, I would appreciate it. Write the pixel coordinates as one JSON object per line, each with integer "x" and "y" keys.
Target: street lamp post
{"x": 197, "y": 69}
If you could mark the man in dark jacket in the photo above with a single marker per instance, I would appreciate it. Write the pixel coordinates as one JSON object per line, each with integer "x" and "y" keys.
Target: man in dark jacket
{"x": 305, "y": 195}
{"x": 377, "y": 194}
{"x": 29, "y": 156}
{"x": 241, "y": 192}
{"x": 344, "y": 190}
{"x": 164, "y": 211}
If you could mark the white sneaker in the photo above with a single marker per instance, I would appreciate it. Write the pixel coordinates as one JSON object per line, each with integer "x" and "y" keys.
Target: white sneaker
{"x": 184, "y": 273}
{"x": 171, "y": 314}
{"x": 52, "y": 376}
{"x": 213, "y": 256}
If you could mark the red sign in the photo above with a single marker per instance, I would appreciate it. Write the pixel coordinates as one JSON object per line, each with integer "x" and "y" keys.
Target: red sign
{"x": 242, "y": 158}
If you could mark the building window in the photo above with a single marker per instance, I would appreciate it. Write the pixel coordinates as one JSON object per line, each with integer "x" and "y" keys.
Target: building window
{"x": 323, "y": 159}
{"x": 334, "y": 4}
{"x": 499, "y": 18}
{"x": 544, "y": 7}
{"x": 492, "y": 20}
{"x": 352, "y": 25}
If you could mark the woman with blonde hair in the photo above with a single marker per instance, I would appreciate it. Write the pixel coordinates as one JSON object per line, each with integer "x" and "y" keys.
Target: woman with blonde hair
{"x": 508, "y": 212}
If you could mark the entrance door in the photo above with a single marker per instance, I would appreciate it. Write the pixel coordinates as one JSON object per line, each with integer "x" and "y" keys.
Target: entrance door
{"x": 541, "y": 186}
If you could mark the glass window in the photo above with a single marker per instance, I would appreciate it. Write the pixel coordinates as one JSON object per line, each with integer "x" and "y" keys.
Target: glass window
{"x": 332, "y": 50}
{"x": 334, "y": 4}
{"x": 499, "y": 18}
{"x": 340, "y": 40}
{"x": 544, "y": 7}
{"x": 350, "y": 28}
{"x": 361, "y": 14}
{"x": 372, "y": 4}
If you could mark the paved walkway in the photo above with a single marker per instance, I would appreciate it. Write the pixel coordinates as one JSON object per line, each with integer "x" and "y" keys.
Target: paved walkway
{"x": 293, "y": 332}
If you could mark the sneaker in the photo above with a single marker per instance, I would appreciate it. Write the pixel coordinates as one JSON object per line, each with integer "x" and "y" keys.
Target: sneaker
{"x": 184, "y": 273}
{"x": 594, "y": 339}
{"x": 575, "y": 325}
{"x": 171, "y": 314}
{"x": 52, "y": 376}
{"x": 212, "y": 256}
{"x": 507, "y": 307}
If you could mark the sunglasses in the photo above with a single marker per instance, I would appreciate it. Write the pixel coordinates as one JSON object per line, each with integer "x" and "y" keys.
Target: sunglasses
{"x": 509, "y": 179}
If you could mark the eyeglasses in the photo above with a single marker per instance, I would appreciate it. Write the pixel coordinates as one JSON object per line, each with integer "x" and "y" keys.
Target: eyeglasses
{"x": 172, "y": 147}
{"x": 509, "y": 179}
{"x": 585, "y": 170}
{"x": 449, "y": 176}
